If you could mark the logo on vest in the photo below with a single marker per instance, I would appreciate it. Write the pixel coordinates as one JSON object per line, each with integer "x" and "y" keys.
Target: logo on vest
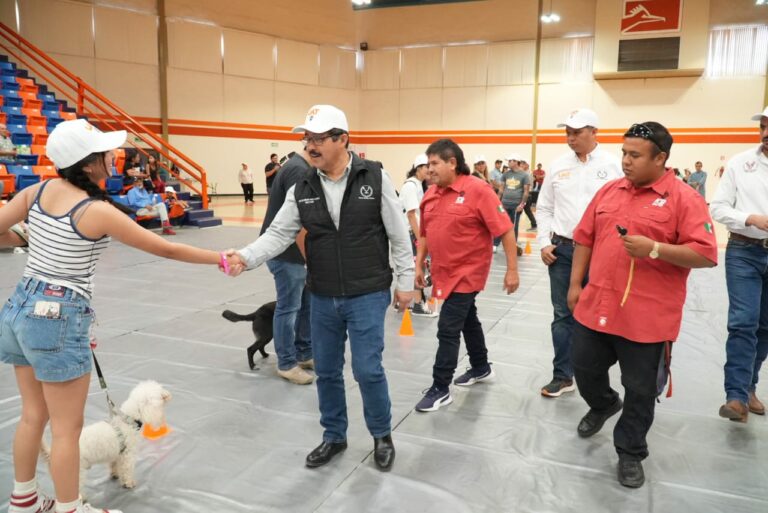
{"x": 366, "y": 192}
{"x": 750, "y": 167}
{"x": 309, "y": 201}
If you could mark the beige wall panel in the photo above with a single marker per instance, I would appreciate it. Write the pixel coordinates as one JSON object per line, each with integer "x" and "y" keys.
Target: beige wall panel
{"x": 511, "y": 63}
{"x": 132, "y": 87}
{"x": 723, "y": 12}
{"x": 194, "y": 46}
{"x": 679, "y": 102}
{"x": 509, "y": 108}
{"x": 338, "y": 68}
{"x": 421, "y": 68}
{"x": 195, "y": 95}
{"x": 556, "y": 101}
{"x": 695, "y": 40}
{"x": 8, "y": 14}
{"x": 248, "y": 100}
{"x": 380, "y": 110}
{"x": 464, "y": 108}
{"x": 607, "y": 27}
{"x": 421, "y": 109}
{"x": 75, "y": 39}
{"x": 381, "y": 69}
{"x": 123, "y": 35}
{"x": 249, "y": 55}
{"x": 292, "y": 101}
{"x": 465, "y": 66}
{"x": 297, "y": 62}
{"x": 83, "y": 67}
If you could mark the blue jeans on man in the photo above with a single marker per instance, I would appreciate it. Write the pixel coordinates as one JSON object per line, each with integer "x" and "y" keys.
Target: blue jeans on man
{"x": 746, "y": 275}
{"x": 515, "y": 218}
{"x": 362, "y": 317}
{"x": 562, "y": 324}
{"x": 290, "y": 326}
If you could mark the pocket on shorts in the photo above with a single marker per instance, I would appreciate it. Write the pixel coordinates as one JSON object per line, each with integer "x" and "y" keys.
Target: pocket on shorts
{"x": 44, "y": 334}
{"x": 3, "y": 313}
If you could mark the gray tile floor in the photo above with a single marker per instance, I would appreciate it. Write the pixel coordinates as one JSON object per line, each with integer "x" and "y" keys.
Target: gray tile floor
{"x": 240, "y": 437}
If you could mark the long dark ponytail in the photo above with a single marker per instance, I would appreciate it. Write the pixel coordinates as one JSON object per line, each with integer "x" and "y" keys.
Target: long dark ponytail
{"x": 76, "y": 175}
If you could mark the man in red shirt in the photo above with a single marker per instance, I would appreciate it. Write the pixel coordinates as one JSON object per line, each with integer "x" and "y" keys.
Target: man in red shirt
{"x": 639, "y": 237}
{"x": 460, "y": 216}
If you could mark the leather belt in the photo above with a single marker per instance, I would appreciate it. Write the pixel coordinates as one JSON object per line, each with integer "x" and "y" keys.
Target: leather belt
{"x": 749, "y": 240}
{"x": 559, "y": 239}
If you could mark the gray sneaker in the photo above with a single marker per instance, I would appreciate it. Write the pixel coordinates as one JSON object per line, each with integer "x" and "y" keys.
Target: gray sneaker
{"x": 422, "y": 310}
{"x": 557, "y": 387}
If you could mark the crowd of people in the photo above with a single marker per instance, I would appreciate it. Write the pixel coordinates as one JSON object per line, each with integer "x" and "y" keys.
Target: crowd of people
{"x": 612, "y": 230}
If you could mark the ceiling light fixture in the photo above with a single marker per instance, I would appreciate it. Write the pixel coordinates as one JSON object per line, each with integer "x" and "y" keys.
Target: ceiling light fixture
{"x": 551, "y": 17}
{"x": 361, "y": 2}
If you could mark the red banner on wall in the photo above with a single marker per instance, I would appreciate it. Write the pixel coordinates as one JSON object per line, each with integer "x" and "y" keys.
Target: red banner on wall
{"x": 644, "y": 16}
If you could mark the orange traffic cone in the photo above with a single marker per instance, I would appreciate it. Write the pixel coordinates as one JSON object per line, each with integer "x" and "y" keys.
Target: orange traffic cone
{"x": 527, "y": 248}
{"x": 406, "y": 327}
{"x": 151, "y": 433}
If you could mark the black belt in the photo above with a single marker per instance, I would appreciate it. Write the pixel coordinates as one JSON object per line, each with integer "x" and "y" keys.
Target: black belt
{"x": 749, "y": 240}
{"x": 558, "y": 239}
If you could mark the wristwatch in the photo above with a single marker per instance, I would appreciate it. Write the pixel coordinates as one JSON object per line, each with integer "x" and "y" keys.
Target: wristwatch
{"x": 655, "y": 251}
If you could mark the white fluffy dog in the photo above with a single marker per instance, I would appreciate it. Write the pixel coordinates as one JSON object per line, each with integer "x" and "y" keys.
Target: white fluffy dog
{"x": 114, "y": 441}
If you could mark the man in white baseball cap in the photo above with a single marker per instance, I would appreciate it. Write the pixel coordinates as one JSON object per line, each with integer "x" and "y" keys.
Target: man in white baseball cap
{"x": 740, "y": 205}
{"x": 353, "y": 221}
{"x": 74, "y": 140}
{"x": 572, "y": 182}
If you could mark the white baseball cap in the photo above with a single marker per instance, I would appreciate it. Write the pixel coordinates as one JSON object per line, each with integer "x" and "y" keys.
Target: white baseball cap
{"x": 581, "y": 118}
{"x": 169, "y": 188}
{"x": 514, "y": 156}
{"x": 72, "y": 141}
{"x": 760, "y": 115}
{"x": 322, "y": 118}
{"x": 478, "y": 159}
{"x": 420, "y": 160}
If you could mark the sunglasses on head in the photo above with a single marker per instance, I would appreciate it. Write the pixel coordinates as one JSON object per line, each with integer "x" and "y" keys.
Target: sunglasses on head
{"x": 642, "y": 131}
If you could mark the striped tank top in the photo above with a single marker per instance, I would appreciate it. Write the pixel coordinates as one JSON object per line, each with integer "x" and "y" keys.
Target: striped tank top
{"x": 58, "y": 253}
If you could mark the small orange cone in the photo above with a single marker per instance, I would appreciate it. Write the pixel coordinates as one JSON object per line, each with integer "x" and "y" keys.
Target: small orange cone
{"x": 151, "y": 433}
{"x": 406, "y": 327}
{"x": 527, "y": 248}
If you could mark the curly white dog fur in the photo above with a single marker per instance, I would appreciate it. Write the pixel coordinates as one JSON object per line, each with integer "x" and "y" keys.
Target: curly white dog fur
{"x": 114, "y": 441}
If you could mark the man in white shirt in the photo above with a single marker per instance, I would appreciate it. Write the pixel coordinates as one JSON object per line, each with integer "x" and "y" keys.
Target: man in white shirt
{"x": 245, "y": 177}
{"x": 740, "y": 204}
{"x": 570, "y": 185}
{"x": 411, "y": 194}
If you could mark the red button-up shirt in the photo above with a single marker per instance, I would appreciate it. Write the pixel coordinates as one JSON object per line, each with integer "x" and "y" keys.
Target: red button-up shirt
{"x": 668, "y": 211}
{"x": 460, "y": 222}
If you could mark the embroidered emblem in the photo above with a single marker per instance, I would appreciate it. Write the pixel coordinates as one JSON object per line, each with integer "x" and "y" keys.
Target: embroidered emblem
{"x": 366, "y": 192}
{"x": 602, "y": 174}
{"x": 659, "y": 202}
{"x": 750, "y": 167}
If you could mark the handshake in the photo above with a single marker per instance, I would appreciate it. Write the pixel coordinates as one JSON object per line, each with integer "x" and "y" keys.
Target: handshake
{"x": 230, "y": 263}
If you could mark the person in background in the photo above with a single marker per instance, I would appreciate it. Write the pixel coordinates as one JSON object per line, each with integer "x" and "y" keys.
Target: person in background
{"x": 7, "y": 148}
{"x": 481, "y": 169}
{"x": 527, "y": 208}
{"x": 245, "y": 177}
{"x": 698, "y": 180}
{"x": 538, "y": 179}
{"x": 411, "y": 194}
{"x": 270, "y": 170}
{"x": 158, "y": 185}
{"x": 516, "y": 185}
{"x": 495, "y": 175}
{"x": 134, "y": 169}
{"x": 740, "y": 204}
{"x": 147, "y": 205}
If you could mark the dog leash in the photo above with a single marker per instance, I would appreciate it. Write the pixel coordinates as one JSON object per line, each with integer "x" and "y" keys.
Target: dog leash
{"x": 103, "y": 384}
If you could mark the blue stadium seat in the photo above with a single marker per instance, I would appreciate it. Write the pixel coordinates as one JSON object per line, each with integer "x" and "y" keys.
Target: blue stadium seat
{"x": 9, "y": 93}
{"x": 7, "y": 65}
{"x": 17, "y": 119}
{"x": 52, "y": 123}
{"x": 114, "y": 184}
{"x": 21, "y": 139}
{"x": 17, "y": 128}
{"x": 24, "y": 181}
{"x": 20, "y": 170}
{"x": 49, "y": 105}
{"x": 12, "y": 101}
{"x": 47, "y": 97}
{"x": 51, "y": 113}
{"x": 10, "y": 80}
{"x": 28, "y": 160}
{"x": 9, "y": 109}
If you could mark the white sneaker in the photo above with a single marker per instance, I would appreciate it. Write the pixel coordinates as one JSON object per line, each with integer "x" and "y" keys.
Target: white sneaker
{"x": 495, "y": 249}
{"x": 87, "y": 508}
{"x": 422, "y": 310}
{"x": 296, "y": 375}
{"x": 35, "y": 502}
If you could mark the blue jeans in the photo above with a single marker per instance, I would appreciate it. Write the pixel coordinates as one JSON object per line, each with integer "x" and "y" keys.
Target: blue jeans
{"x": 363, "y": 318}
{"x": 46, "y": 327}
{"x": 291, "y": 321}
{"x": 515, "y": 218}
{"x": 562, "y": 324}
{"x": 746, "y": 274}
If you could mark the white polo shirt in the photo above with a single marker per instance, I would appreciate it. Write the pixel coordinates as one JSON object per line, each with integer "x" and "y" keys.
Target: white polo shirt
{"x": 568, "y": 187}
{"x": 742, "y": 191}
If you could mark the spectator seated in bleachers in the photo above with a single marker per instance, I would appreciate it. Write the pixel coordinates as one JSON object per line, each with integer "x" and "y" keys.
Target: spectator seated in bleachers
{"x": 133, "y": 170}
{"x": 158, "y": 184}
{"x": 172, "y": 200}
{"x": 146, "y": 205}
{"x": 7, "y": 148}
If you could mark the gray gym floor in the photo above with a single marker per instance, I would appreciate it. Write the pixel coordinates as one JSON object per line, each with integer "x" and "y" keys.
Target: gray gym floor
{"x": 239, "y": 437}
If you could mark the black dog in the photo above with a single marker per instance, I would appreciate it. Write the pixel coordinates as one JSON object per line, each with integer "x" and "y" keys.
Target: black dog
{"x": 261, "y": 324}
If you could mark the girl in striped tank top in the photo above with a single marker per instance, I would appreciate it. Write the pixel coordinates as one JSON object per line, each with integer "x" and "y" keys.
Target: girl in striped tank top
{"x": 44, "y": 326}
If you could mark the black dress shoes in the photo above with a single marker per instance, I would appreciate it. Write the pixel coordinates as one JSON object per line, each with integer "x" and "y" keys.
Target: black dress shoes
{"x": 384, "y": 453}
{"x": 593, "y": 421}
{"x": 323, "y": 453}
{"x": 630, "y": 473}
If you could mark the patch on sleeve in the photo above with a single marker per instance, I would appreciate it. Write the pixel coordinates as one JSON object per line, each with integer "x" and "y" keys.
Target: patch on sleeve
{"x": 501, "y": 209}
{"x": 708, "y": 227}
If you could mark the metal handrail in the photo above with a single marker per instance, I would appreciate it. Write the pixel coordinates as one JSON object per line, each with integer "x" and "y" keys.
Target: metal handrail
{"x": 91, "y": 103}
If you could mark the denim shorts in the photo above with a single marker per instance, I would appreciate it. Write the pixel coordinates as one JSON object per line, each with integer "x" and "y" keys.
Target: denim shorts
{"x": 57, "y": 347}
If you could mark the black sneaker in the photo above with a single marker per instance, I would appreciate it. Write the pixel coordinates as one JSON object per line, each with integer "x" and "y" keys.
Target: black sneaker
{"x": 434, "y": 398}
{"x": 593, "y": 421}
{"x": 558, "y": 387}
{"x": 422, "y": 310}
{"x": 473, "y": 376}
{"x": 630, "y": 473}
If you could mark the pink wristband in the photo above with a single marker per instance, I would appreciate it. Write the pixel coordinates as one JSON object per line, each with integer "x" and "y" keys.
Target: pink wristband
{"x": 223, "y": 262}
